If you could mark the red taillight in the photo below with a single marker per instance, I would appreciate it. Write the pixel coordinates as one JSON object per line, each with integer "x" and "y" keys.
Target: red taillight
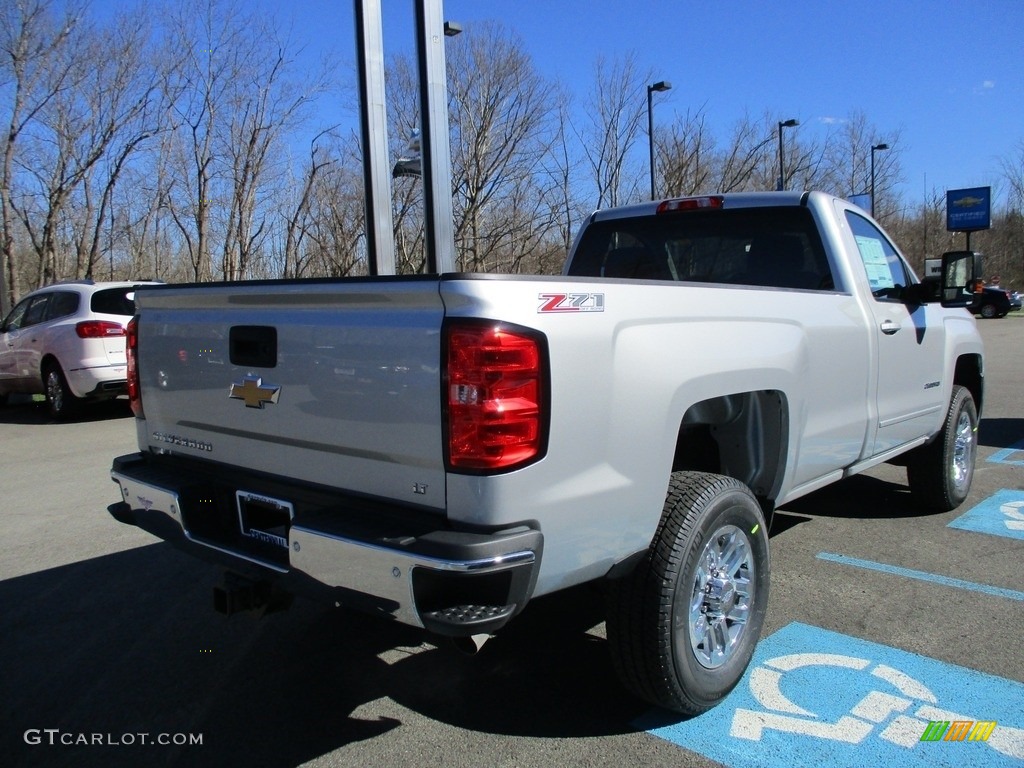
{"x": 495, "y": 396}
{"x": 132, "y": 349}
{"x": 98, "y": 329}
{"x": 691, "y": 204}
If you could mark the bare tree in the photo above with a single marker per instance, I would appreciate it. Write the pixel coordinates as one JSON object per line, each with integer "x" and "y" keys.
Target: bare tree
{"x": 686, "y": 155}
{"x": 137, "y": 112}
{"x": 614, "y": 120}
{"x": 499, "y": 108}
{"x": 1013, "y": 174}
{"x": 267, "y": 105}
{"x": 558, "y": 170}
{"x": 36, "y": 67}
{"x": 297, "y": 219}
{"x": 81, "y": 141}
{"x": 748, "y": 151}
{"x": 848, "y": 161}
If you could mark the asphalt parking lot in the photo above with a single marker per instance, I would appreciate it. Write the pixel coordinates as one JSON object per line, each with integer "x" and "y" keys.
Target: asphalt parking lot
{"x": 882, "y": 620}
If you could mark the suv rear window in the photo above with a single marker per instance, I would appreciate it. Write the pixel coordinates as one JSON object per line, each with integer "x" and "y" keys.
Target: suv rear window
{"x": 114, "y": 301}
{"x": 778, "y": 247}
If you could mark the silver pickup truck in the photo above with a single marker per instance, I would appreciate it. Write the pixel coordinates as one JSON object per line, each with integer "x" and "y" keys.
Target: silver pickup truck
{"x": 439, "y": 450}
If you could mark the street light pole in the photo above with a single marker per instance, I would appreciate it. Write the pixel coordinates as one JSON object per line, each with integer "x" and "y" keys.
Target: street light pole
{"x": 791, "y": 123}
{"x": 659, "y": 86}
{"x": 874, "y": 148}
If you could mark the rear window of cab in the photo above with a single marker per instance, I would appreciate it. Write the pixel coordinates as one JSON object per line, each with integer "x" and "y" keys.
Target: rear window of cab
{"x": 776, "y": 247}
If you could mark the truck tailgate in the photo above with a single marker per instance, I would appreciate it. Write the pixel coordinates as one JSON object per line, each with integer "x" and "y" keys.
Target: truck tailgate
{"x": 334, "y": 383}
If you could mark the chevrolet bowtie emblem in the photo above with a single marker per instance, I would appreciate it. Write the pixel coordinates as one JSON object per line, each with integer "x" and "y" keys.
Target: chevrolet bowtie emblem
{"x": 252, "y": 391}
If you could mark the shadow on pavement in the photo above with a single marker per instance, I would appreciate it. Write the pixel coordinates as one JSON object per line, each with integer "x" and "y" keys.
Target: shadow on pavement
{"x": 1000, "y": 433}
{"x": 21, "y": 409}
{"x": 128, "y": 643}
{"x": 860, "y": 497}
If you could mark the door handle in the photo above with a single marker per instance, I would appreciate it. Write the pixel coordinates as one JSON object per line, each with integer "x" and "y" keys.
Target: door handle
{"x": 889, "y": 327}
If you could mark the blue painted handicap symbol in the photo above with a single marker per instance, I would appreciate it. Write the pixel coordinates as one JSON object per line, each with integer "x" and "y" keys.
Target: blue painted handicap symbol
{"x": 812, "y": 697}
{"x": 1001, "y": 514}
{"x": 1012, "y": 455}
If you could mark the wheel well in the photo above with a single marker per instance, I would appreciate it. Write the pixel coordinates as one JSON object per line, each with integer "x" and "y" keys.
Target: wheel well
{"x": 45, "y": 363}
{"x": 968, "y": 374}
{"x": 742, "y": 435}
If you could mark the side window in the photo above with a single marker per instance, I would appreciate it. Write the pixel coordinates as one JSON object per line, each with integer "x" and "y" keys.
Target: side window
{"x": 15, "y": 320}
{"x": 886, "y": 272}
{"x": 36, "y": 310}
{"x": 62, "y": 304}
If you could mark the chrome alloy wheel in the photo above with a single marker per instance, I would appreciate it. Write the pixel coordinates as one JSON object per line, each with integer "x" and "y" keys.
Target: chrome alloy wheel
{"x": 723, "y": 593}
{"x": 964, "y": 444}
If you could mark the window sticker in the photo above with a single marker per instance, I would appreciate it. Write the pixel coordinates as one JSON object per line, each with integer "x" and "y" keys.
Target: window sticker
{"x": 875, "y": 262}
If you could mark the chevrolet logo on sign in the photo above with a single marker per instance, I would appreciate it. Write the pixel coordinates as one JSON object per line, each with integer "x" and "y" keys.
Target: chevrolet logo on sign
{"x": 252, "y": 391}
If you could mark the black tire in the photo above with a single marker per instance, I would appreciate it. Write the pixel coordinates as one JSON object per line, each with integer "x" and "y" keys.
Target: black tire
{"x": 60, "y": 401}
{"x": 939, "y": 474}
{"x": 988, "y": 311}
{"x": 656, "y": 614}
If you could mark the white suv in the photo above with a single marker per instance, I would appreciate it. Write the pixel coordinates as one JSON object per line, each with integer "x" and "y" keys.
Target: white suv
{"x": 67, "y": 341}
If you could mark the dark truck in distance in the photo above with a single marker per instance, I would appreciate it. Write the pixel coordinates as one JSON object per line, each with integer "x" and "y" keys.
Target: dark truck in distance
{"x": 439, "y": 450}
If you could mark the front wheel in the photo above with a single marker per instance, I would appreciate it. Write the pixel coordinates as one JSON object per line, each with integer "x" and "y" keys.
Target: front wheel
{"x": 939, "y": 474}
{"x": 682, "y": 626}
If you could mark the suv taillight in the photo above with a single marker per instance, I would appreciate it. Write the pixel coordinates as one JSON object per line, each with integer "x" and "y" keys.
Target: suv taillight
{"x": 495, "y": 396}
{"x": 132, "y": 348}
{"x": 98, "y": 329}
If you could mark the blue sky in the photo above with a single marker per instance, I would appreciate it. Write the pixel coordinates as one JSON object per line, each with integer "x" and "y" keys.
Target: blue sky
{"x": 948, "y": 75}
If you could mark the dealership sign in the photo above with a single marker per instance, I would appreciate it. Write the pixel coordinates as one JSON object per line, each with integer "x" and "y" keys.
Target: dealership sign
{"x": 968, "y": 210}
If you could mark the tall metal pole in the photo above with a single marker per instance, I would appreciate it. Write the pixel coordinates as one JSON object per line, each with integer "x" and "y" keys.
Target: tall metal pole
{"x": 782, "y": 167}
{"x": 650, "y": 133}
{"x": 782, "y": 173}
{"x": 662, "y": 85}
{"x": 380, "y": 237}
{"x": 434, "y": 139}
{"x": 874, "y": 148}
{"x": 872, "y": 182}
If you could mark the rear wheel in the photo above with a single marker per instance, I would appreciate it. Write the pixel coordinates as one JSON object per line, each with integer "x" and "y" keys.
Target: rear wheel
{"x": 683, "y": 625}
{"x": 60, "y": 401}
{"x": 939, "y": 474}
{"x": 988, "y": 311}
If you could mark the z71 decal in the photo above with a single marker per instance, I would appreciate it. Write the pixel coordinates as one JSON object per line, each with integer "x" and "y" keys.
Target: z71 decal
{"x": 571, "y": 302}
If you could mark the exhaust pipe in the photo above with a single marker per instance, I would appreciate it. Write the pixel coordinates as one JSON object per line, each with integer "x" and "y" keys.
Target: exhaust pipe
{"x": 470, "y": 646}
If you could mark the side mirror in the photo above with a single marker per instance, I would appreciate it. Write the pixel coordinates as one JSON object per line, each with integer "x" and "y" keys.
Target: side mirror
{"x": 961, "y": 271}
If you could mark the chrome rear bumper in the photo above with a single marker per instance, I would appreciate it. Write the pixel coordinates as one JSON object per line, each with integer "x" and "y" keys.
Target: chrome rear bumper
{"x": 420, "y": 579}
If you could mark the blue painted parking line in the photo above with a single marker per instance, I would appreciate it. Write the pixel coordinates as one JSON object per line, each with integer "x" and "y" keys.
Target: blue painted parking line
{"x": 946, "y": 581}
{"x": 1001, "y": 514}
{"x": 1012, "y": 455}
{"x": 813, "y": 697}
